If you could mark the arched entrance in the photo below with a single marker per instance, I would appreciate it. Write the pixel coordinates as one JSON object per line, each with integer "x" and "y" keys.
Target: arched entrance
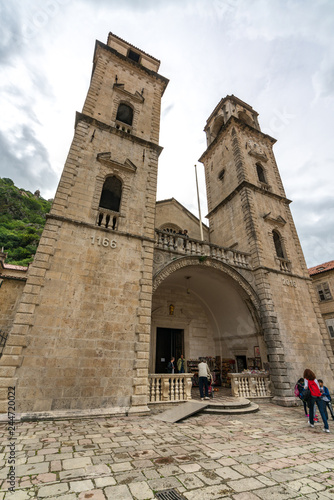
{"x": 206, "y": 309}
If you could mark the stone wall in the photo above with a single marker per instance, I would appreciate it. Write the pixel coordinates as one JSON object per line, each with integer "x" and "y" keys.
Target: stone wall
{"x": 10, "y": 293}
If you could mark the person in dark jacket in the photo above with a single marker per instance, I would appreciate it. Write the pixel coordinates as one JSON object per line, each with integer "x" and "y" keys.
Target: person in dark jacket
{"x": 299, "y": 388}
{"x": 171, "y": 366}
{"x": 326, "y": 397}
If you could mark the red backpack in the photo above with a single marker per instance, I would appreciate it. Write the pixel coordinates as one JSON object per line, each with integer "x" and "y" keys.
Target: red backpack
{"x": 315, "y": 391}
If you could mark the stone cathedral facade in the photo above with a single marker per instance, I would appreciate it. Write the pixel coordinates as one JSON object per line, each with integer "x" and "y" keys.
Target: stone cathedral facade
{"x": 115, "y": 289}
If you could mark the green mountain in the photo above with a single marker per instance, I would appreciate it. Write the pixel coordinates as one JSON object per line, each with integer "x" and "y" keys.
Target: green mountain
{"x": 22, "y": 219}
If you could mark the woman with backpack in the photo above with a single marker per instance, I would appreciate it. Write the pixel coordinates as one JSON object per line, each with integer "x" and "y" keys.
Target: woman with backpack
{"x": 311, "y": 384}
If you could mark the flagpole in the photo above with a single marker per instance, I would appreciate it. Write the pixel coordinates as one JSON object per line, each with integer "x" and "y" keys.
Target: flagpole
{"x": 199, "y": 206}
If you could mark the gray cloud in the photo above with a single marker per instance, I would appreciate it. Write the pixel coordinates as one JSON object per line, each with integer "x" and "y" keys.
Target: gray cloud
{"x": 11, "y": 31}
{"x": 25, "y": 160}
{"x": 315, "y": 226}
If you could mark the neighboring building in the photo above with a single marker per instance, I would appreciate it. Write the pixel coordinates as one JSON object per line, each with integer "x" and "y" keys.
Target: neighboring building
{"x": 115, "y": 289}
{"x": 323, "y": 282}
{"x": 12, "y": 281}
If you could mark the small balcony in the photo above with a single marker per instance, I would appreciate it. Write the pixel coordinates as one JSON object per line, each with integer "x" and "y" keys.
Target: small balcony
{"x": 107, "y": 218}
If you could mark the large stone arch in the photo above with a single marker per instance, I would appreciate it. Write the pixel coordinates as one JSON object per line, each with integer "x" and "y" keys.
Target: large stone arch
{"x": 173, "y": 266}
{"x": 205, "y": 290}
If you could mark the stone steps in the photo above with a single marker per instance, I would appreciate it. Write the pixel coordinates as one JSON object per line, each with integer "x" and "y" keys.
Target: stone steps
{"x": 220, "y": 406}
{"x": 231, "y": 406}
{"x": 251, "y": 408}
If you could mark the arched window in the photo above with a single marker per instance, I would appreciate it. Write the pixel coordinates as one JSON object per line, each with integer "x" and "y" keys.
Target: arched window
{"x": 221, "y": 175}
{"x": 217, "y": 126}
{"x": 125, "y": 114}
{"x": 278, "y": 245}
{"x": 111, "y": 194}
{"x": 245, "y": 118}
{"x": 171, "y": 228}
{"x": 260, "y": 173}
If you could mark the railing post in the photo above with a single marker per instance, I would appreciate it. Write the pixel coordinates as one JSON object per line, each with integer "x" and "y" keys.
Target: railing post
{"x": 252, "y": 387}
{"x": 165, "y": 383}
{"x": 188, "y": 387}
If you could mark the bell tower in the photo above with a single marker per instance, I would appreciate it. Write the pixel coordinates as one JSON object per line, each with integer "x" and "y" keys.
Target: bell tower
{"x": 82, "y": 328}
{"x": 249, "y": 211}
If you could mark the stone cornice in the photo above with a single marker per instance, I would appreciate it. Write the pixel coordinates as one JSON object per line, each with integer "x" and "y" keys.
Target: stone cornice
{"x": 106, "y": 158}
{"x": 274, "y": 220}
{"x": 246, "y": 184}
{"x": 113, "y": 130}
{"x": 282, "y": 273}
{"x": 98, "y": 228}
{"x": 9, "y": 277}
{"x": 119, "y": 87}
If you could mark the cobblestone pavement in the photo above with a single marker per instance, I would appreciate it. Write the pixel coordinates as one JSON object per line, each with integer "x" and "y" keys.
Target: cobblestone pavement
{"x": 272, "y": 454}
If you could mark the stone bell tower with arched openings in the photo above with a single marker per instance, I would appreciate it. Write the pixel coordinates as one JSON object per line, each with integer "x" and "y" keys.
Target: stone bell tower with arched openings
{"x": 249, "y": 211}
{"x": 81, "y": 333}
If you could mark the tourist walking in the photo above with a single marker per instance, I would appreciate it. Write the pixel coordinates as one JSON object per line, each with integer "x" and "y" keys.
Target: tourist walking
{"x": 203, "y": 376}
{"x": 311, "y": 383}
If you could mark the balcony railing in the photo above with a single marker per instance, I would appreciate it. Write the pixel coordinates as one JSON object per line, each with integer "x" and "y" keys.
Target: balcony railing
{"x": 250, "y": 385}
{"x": 169, "y": 388}
{"x": 284, "y": 265}
{"x": 107, "y": 218}
{"x": 187, "y": 246}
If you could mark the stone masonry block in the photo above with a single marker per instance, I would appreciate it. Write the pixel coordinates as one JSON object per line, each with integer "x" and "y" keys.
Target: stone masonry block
{"x": 143, "y": 355}
{"x": 145, "y": 320}
{"x": 138, "y": 400}
{"x": 3, "y": 394}
{"x": 142, "y": 346}
{"x": 140, "y": 389}
{"x": 8, "y": 371}
{"x": 17, "y": 340}
{"x": 7, "y": 382}
{"x": 10, "y": 360}
{"x": 18, "y": 330}
{"x": 144, "y": 338}
{"x": 139, "y": 381}
{"x": 24, "y": 318}
{"x": 143, "y": 329}
{"x": 140, "y": 363}
{"x": 26, "y": 308}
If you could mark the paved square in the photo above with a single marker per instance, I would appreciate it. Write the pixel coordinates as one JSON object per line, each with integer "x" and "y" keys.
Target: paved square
{"x": 272, "y": 454}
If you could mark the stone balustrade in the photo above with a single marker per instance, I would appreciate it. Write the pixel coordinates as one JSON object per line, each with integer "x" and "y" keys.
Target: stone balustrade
{"x": 169, "y": 388}
{"x": 250, "y": 385}
{"x": 284, "y": 265}
{"x": 180, "y": 244}
{"x": 107, "y": 218}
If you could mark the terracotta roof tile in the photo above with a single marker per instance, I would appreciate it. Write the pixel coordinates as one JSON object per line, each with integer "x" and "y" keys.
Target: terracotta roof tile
{"x": 321, "y": 268}
{"x": 16, "y": 268}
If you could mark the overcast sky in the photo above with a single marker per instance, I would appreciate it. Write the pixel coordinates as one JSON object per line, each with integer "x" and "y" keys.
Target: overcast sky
{"x": 276, "y": 55}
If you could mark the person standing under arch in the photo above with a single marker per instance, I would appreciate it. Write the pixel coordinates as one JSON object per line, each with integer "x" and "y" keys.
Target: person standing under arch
{"x": 203, "y": 375}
